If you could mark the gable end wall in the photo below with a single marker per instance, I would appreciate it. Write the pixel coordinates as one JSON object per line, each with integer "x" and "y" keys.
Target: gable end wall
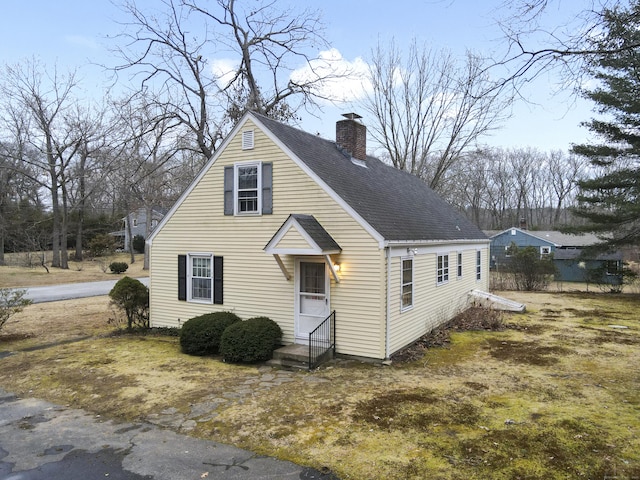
{"x": 254, "y": 285}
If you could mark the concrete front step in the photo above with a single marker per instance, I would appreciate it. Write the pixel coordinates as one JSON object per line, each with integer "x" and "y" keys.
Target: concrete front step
{"x": 295, "y": 357}
{"x": 291, "y": 357}
{"x": 299, "y": 353}
{"x": 287, "y": 364}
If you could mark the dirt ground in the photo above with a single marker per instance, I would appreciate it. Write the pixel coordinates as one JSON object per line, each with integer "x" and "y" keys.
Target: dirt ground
{"x": 553, "y": 394}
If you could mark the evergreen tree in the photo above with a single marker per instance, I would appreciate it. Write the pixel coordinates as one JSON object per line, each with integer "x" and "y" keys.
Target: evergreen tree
{"x": 610, "y": 200}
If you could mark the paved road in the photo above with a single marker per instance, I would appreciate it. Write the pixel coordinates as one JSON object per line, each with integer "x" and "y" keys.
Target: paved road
{"x": 43, "y": 441}
{"x": 69, "y": 291}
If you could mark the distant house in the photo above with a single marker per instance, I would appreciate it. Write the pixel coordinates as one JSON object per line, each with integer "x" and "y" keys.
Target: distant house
{"x": 138, "y": 219}
{"x": 565, "y": 249}
{"x": 285, "y": 224}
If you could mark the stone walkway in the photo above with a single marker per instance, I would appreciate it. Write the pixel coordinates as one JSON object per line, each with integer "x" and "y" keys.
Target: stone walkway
{"x": 206, "y": 410}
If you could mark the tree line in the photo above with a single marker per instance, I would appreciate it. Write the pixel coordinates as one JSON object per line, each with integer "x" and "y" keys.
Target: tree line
{"x": 71, "y": 167}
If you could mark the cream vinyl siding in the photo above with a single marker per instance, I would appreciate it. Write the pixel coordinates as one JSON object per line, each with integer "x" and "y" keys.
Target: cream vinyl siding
{"x": 433, "y": 304}
{"x": 292, "y": 239}
{"x": 253, "y": 283}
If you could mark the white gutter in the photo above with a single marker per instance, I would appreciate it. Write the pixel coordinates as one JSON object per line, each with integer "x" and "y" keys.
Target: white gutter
{"x": 401, "y": 243}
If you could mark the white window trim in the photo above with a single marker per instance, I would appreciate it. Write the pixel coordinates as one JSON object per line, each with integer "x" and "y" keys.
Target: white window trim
{"x": 545, "y": 250}
{"x": 459, "y": 262}
{"x": 190, "y": 258}
{"x": 236, "y": 180}
{"x": 404, "y": 308}
{"x": 478, "y": 265}
{"x": 445, "y": 270}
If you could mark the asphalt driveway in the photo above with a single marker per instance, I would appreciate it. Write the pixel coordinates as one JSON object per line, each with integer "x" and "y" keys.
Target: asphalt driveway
{"x": 43, "y": 441}
{"x": 69, "y": 291}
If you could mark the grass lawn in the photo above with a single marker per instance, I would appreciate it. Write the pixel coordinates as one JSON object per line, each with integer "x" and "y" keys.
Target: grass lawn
{"x": 556, "y": 395}
{"x": 14, "y": 274}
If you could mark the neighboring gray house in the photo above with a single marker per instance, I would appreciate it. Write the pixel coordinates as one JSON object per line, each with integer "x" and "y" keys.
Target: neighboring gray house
{"x": 566, "y": 250}
{"x": 138, "y": 219}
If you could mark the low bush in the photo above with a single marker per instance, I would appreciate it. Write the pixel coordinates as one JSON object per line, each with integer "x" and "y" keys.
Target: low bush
{"x": 201, "y": 335}
{"x": 138, "y": 244}
{"x": 118, "y": 267}
{"x": 250, "y": 341}
{"x": 132, "y": 296}
{"x": 11, "y": 302}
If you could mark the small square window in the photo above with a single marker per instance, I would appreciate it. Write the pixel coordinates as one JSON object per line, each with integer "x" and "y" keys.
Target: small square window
{"x": 613, "y": 267}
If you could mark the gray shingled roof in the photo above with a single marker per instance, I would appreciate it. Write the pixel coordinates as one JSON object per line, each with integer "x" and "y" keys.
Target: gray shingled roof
{"x": 316, "y": 232}
{"x": 396, "y": 204}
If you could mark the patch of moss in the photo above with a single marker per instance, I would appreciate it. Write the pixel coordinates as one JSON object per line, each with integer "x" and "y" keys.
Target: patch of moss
{"x": 528, "y": 353}
{"x": 621, "y": 337}
{"x": 567, "y": 448}
{"x": 420, "y": 409}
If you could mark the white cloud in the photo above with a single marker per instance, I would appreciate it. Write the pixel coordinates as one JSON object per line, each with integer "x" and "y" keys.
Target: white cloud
{"x": 82, "y": 41}
{"x": 348, "y": 80}
{"x": 224, "y": 69}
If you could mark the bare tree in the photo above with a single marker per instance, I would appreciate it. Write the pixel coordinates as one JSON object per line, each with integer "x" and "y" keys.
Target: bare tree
{"x": 564, "y": 171}
{"x": 169, "y": 54}
{"x": 147, "y": 157}
{"x": 169, "y": 61}
{"x": 536, "y": 42}
{"x": 428, "y": 111}
{"x": 35, "y": 103}
{"x": 89, "y": 166}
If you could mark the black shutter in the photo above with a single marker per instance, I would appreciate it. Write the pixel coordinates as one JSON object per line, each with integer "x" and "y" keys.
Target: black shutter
{"x": 267, "y": 188}
{"x": 182, "y": 277}
{"x": 228, "y": 190}
{"x": 217, "y": 280}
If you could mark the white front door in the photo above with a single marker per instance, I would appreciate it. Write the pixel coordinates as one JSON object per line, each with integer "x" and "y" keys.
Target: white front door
{"x": 312, "y": 297}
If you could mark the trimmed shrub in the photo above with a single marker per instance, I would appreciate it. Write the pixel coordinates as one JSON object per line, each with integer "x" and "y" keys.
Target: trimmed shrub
{"x": 138, "y": 244}
{"x": 250, "y": 341}
{"x": 132, "y": 296}
{"x": 201, "y": 335}
{"x": 118, "y": 267}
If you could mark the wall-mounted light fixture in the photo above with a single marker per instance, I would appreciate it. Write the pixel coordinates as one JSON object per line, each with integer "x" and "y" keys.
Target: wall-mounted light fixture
{"x": 336, "y": 267}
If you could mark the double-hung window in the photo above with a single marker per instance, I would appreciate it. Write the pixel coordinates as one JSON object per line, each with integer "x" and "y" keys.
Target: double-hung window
{"x": 478, "y": 265}
{"x": 407, "y": 283}
{"x": 442, "y": 273}
{"x": 459, "y": 264}
{"x": 200, "y": 278}
{"x": 247, "y": 188}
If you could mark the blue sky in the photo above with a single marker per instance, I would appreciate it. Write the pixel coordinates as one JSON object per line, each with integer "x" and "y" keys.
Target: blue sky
{"x": 72, "y": 33}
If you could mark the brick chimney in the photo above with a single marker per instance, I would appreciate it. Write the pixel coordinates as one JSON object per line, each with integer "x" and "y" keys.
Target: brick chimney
{"x": 523, "y": 223}
{"x": 352, "y": 136}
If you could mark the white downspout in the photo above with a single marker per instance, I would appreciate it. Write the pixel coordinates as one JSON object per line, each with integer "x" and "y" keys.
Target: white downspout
{"x": 387, "y": 345}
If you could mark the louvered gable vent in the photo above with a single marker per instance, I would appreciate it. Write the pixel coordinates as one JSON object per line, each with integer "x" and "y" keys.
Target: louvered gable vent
{"x": 247, "y": 139}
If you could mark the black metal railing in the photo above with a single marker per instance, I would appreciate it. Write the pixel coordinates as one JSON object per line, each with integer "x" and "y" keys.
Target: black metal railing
{"x": 321, "y": 340}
